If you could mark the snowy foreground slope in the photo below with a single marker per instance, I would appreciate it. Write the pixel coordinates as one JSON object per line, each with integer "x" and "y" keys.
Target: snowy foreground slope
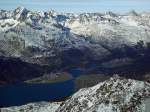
{"x": 113, "y": 95}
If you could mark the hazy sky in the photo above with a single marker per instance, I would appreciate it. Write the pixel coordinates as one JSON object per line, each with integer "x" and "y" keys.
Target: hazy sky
{"x": 79, "y": 5}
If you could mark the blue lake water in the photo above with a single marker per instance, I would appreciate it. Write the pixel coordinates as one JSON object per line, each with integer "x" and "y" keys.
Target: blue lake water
{"x": 76, "y": 72}
{"x": 20, "y": 94}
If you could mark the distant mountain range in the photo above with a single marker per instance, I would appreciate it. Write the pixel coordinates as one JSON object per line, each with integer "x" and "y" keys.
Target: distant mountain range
{"x": 107, "y": 42}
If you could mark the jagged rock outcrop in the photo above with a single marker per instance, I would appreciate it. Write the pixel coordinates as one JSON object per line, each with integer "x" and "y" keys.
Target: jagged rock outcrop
{"x": 114, "y": 95}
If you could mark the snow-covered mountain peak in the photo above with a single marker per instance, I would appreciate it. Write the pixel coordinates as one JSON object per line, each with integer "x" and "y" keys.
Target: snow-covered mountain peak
{"x": 111, "y": 14}
{"x": 132, "y": 13}
{"x": 20, "y": 13}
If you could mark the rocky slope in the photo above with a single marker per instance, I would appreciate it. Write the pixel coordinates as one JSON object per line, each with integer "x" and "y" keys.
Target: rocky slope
{"x": 34, "y": 107}
{"x": 114, "y": 95}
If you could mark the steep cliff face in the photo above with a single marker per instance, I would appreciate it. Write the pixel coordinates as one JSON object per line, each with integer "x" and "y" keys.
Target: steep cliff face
{"x": 114, "y": 95}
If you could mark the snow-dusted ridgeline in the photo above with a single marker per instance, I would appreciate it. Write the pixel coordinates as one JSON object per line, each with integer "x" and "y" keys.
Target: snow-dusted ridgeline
{"x": 52, "y": 31}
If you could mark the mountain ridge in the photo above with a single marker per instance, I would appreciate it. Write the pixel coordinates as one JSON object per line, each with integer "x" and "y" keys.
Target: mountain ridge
{"x": 67, "y": 40}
